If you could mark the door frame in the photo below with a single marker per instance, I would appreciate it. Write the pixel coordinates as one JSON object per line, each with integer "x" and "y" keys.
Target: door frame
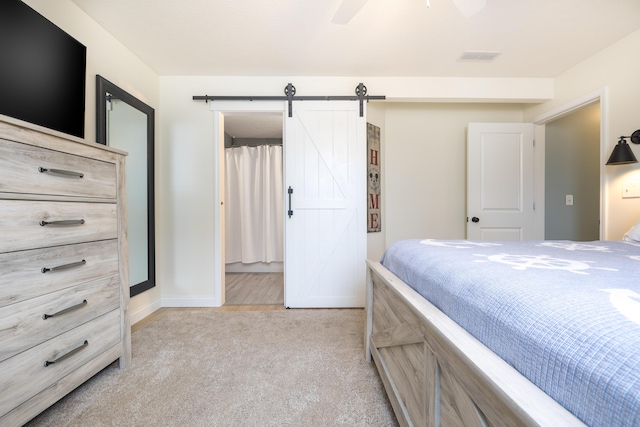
{"x": 220, "y": 108}
{"x": 601, "y": 95}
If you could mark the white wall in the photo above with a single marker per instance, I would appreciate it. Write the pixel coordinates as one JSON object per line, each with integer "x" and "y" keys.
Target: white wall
{"x": 425, "y": 172}
{"x": 184, "y": 203}
{"x": 109, "y": 58}
{"x": 616, "y": 67}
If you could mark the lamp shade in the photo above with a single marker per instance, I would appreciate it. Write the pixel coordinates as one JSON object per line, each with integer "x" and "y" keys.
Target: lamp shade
{"x": 622, "y": 154}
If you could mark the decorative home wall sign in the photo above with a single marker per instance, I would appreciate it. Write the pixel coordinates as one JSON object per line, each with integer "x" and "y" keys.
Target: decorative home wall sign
{"x": 373, "y": 178}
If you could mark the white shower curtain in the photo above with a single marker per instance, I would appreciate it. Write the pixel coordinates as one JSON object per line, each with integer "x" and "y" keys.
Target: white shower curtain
{"x": 254, "y": 204}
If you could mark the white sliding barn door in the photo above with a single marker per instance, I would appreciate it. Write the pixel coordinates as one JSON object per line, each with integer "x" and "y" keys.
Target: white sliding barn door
{"x": 325, "y": 237}
{"x": 500, "y": 181}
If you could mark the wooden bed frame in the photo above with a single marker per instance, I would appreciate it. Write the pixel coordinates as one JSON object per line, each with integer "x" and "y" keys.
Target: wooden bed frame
{"x": 437, "y": 374}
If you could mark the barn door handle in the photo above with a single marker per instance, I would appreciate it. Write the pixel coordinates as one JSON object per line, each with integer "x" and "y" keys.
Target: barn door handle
{"x": 290, "y": 191}
{"x": 475, "y": 219}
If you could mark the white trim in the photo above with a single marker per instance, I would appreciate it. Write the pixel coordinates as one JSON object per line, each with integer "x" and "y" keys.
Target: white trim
{"x": 539, "y": 181}
{"x": 601, "y": 95}
{"x": 219, "y": 108}
{"x": 145, "y": 311}
{"x": 570, "y": 106}
{"x": 190, "y": 302}
{"x": 256, "y": 267}
{"x": 218, "y": 223}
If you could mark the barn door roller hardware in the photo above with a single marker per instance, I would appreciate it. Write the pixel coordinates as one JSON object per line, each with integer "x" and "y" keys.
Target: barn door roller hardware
{"x": 290, "y": 91}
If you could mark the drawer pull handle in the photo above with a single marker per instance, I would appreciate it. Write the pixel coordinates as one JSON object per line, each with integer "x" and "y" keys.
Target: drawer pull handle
{"x": 64, "y": 222}
{"x": 64, "y": 267}
{"x": 61, "y": 172}
{"x": 69, "y": 354}
{"x": 66, "y": 310}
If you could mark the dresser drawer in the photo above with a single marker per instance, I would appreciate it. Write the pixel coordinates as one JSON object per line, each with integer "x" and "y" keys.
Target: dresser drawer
{"x": 34, "y": 170}
{"x": 22, "y": 271}
{"x": 27, "y": 373}
{"x": 31, "y": 322}
{"x": 33, "y": 224}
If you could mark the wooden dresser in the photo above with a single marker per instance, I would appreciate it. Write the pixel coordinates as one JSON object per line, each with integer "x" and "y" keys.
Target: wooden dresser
{"x": 64, "y": 287}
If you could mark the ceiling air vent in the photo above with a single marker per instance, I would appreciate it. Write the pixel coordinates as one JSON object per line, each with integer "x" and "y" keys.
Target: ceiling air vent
{"x": 478, "y": 56}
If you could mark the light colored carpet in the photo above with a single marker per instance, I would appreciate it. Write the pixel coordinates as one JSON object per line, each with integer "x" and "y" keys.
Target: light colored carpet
{"x": 199, "y": 367}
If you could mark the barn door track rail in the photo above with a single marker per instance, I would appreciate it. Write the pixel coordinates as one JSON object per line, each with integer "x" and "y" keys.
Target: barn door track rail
{"x": 290, "y": 91}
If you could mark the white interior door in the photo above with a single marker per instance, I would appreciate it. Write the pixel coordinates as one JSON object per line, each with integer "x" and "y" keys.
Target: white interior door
{"x": 500, "y": 181}
{"x": 325, "y": 236}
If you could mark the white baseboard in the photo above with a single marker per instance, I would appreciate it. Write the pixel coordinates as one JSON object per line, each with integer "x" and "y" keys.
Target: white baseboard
{"x": 140, "y": 314}
{"x": 190, "y": 302}
{"x": 145, "y": 311}
{"x": 256, "y": 267}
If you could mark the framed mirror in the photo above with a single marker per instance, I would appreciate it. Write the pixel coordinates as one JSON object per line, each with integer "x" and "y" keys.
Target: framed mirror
{"x": 126, "y": 123}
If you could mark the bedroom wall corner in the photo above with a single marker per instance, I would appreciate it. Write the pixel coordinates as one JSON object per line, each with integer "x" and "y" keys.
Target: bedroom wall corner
{"x": 109, "y": 58}
{"x": 604, "y": 70}
{"x": 105, "y": 56}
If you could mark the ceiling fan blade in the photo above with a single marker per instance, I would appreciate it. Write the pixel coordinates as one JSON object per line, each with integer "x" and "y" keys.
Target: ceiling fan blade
{"x": 469, "y": 8}
{"x": 347, "y": 10}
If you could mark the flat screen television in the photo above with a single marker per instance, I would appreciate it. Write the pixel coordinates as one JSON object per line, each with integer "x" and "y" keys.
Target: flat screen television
{"x": 42, "y": 70}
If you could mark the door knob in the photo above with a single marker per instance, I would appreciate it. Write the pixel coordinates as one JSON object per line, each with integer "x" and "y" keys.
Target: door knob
{"x": 475, "y": 219}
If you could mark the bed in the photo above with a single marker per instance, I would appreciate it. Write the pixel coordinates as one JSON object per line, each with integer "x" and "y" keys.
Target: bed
{"x": 468, "y": 333}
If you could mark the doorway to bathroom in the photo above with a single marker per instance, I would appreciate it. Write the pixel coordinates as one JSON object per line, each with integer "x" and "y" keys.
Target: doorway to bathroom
{"x": 253, "y": 209}
{"x": 324, "y": 163}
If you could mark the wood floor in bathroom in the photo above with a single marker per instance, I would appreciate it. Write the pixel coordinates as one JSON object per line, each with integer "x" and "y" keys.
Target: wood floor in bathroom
{"x": 254, "y": 289}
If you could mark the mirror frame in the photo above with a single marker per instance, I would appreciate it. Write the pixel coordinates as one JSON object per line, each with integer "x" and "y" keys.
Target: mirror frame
{"x": 103, "y": 87}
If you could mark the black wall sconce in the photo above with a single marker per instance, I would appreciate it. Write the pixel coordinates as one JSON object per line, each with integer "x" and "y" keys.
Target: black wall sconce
{"x": 622, "y": 153}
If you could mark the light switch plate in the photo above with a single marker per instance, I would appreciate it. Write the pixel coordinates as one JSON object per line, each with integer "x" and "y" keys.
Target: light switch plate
{"x": 568, "y": 200}
{"x": 630, "y": 190}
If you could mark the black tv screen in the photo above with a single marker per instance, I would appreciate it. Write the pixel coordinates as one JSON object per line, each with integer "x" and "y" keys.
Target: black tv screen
{"x": 42, "y": 70}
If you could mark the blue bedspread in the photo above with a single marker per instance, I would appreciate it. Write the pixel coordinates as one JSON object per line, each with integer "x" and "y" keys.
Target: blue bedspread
{"x": 565, "y": 314}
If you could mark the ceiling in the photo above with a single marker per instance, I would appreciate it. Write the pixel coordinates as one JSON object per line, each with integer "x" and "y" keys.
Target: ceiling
{"x": 536, "y": 38}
